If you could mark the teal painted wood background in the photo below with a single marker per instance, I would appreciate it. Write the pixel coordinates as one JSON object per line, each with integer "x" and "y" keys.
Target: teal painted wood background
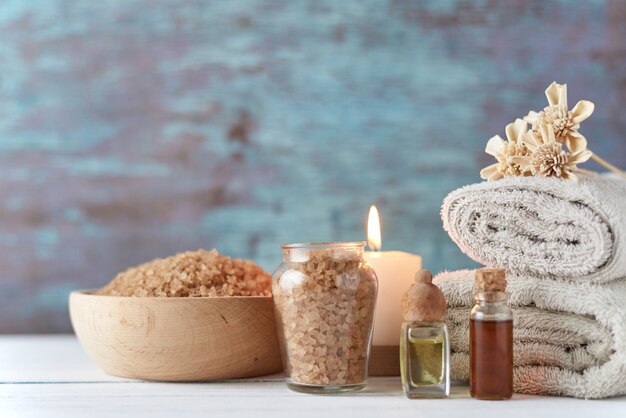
{"x": 133, "y": 129}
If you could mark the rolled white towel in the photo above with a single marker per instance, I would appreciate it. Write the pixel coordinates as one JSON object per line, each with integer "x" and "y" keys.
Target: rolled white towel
{"x": 569, "y": 338}
{"x": 544, "y": 227}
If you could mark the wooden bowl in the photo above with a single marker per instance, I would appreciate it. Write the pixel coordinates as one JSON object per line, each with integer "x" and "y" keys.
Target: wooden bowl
{"x": 177, "y": 339}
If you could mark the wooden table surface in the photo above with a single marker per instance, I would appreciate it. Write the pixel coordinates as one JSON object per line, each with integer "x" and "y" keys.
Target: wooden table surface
{"x": 51, "y": 376}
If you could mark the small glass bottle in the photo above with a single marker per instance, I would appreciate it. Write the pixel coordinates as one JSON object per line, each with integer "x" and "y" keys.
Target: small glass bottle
{"x": 491, "y": 338}
{"x": 424, "y": 345}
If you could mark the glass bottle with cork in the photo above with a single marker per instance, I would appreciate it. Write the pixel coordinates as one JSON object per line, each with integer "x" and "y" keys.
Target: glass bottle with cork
{"x": 491, "y": 338}
{"x": 424, "y": 344}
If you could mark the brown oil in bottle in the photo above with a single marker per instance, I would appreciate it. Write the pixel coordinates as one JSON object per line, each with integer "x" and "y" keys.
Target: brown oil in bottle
{"x": 491, "y": 359}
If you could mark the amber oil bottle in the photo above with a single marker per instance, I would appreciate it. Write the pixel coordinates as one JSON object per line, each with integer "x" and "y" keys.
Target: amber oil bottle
{"x": 491, "y": 338}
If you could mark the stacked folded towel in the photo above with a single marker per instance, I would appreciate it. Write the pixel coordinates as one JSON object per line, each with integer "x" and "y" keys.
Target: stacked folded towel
{"x": 564, "y": 245}
{"x": 547, "y": 227}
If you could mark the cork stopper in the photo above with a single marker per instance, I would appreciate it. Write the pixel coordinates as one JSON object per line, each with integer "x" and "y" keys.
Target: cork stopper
{"x": 423, "y": 301}
{"x": 490, "y": 280}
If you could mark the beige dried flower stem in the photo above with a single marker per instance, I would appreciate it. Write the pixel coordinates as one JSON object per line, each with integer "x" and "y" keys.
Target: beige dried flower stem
{"x": 607, "y": 165}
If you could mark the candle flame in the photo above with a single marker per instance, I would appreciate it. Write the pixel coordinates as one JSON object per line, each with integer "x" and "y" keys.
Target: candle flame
{"x": 374, "y": 238}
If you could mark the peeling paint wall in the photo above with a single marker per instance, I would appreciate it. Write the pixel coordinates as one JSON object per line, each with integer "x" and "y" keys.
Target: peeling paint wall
{"x": 133, "y": 129}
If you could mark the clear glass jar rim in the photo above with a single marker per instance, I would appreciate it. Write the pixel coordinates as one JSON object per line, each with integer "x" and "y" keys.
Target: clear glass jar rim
{"x": 323, "y": 245}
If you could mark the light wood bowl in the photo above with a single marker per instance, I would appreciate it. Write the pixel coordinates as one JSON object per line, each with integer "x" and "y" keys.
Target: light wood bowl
{"x": 177, "y": 339}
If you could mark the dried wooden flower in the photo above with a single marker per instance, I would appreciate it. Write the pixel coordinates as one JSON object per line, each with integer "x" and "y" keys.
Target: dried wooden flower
{"x": 548, "y": 158}
{"x": 506, "y": 151}
{"x": 539, "y": 151}
{"x": 565, "y": 123}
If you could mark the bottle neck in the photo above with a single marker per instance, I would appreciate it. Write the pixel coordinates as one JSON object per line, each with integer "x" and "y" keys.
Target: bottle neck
{"x": 491, "y": 298}
{"x": 424, "y": 323}
{"x": 491, "y": 306}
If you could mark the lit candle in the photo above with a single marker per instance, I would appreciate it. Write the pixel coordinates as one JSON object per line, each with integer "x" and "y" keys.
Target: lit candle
{"x": 395, "y": 271}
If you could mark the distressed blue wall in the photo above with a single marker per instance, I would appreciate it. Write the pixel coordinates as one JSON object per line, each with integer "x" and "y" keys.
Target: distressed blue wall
{"x": 133, "y": 129}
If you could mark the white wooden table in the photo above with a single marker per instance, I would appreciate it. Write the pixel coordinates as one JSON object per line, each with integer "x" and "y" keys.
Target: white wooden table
{"x": 51, "y": 376}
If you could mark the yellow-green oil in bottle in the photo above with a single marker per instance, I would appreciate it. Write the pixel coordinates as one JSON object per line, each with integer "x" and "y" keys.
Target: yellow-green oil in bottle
{"x": 423, "y": 360}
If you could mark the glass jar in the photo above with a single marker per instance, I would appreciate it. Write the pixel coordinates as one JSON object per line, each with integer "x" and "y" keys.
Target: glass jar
{"x": 324, "y": 297}
{"x": 491, "y": 347}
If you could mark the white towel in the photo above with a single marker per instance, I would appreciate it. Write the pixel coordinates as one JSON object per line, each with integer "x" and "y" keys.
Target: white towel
{"x": 544, "y": 227}
{"x": 569, "y": 338}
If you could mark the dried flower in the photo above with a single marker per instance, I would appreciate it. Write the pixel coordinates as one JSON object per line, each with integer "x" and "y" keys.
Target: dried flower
{"x": 540, "y": 151}
{"x": 548, "y": 158}
{"x": 564, "y": 123}
{"x": 505, "y": 153}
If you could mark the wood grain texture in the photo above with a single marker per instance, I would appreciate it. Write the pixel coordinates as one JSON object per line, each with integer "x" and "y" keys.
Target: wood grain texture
{"x": 134, "y": 129}
{"x": 384, "y": 360}
{"x": 178, "y": 339}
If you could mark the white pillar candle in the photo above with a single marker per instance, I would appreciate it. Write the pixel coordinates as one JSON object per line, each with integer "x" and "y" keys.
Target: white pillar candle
{"x": 395, "y": 271}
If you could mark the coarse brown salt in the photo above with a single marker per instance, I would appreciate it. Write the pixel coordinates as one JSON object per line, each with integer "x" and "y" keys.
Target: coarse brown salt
{"x": 326, "y": 317}
{"x": 191, "y": 274}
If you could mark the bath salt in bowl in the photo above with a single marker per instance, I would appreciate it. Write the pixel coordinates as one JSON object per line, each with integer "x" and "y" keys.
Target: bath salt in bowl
{"x": 194, "y": 316}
